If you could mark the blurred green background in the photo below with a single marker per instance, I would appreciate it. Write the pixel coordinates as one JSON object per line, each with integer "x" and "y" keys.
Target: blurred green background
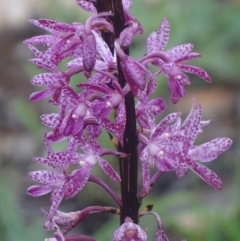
{"x": 188, "y": 207}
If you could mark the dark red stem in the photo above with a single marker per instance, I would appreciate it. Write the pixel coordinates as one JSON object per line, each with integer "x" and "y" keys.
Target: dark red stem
{"x": 128, "y": 165}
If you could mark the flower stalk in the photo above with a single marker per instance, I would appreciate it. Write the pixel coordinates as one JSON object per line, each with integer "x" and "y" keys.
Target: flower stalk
{"x": 128, "y": 165}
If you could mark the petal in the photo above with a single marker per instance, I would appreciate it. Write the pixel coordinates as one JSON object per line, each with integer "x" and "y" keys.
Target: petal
{"x": 71, "y": 125}
{"x": 127, "y": 4}
{"x": 44, "y": 64}
{"x": 37, "y": 190}
{"x": 152, "y": 43}
{"x": 190, "y": 56}
{"x": 134, "y": 72}
{"x": 179, "y": 51}
{"x": 89, "y": 52}
{"x": 87, "y": 6}
{"x": 181, "y": 171}
{"x": 177, "y": 90}
{"x": 196, "y": 70}
{"x": 210, "y": 150}
{"x": 108, "y": 169}
{"x": 160, "y": 235}
{"x": 126, "y": 36}
{"x": 53, "y": 26}
{"x": 208, "y": 176}
{"x": 101, "y": 109}
{"x": 77, "y": 62}
{"x": 78, "y": 180}
{"x": 45, "y": 40}
{"x": 62, "y": 49}
{"x": 40, "y": 95}
{"x": 192, "y": 125}
{"x": 163, "y": 124}
{"x": 129, "y": 231}
{"x": 145, "y": 170}
{"x": 56, "y": 199}
{"x": 155, "y": 106}
{"x": 94, "y": 130}
{"x": 163, "y": 34}
{"x": 50, "y": 120}
{"x": 166, "y": 164}
{"x": 103, "y": 49}
{"x": 121, "y": 115}
{"x": 46, "y": 79}
{"x": 47, "y": 177}
{"x": 36, "y": 52}
{"x": 63, "y": 158}
{"x": 96, "y": 87}
{"x": 95, "y": 146}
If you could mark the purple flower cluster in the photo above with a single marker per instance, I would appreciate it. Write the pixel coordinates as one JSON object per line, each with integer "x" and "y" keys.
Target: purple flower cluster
{"x": 86, "y": 111}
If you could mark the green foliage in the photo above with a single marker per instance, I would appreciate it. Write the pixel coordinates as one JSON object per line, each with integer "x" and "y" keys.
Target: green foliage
{"x": 27, "y": 115}
{"x": 12, "y": 225}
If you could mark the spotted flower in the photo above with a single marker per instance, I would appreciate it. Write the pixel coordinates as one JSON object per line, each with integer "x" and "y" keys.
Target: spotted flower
{"x": 171, "y": 63}
{"x": 129, "y": 231}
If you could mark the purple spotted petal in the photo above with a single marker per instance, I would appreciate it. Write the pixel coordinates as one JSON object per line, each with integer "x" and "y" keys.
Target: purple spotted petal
{"x": 103, "y": 49}
{"x": 95, "y": 146}
{"x": 37, "y": 190}
{"x": 208, "y": 176}
{"x": 152, "y": 43}
{"x": 89, "y": 52}
{"x": 126, "y": 37}
{"x": 46, "y": 79}
{"x": 45, "y": 40}
{"x": 77, "y": 181}
{"x": 87, "y": 6}
{"x": 177, "y": 90}
{"x": 77, "y": 62}
{"x": 62, "y": 49}
{"x": 50, "y": 120}
{"x": 162, "y": 126}
{"x": 63, "y": 158}
{"x": 121, "y": 115}
{"x": 190, "y": 56}
{"x": 193, "y": 124}
{"x": 108, "y": 169}
{"x": 129, "y": 231}
{"x": 210, "y": 150}
{"x": 135, "y": 73}
{"x": 94, "y": 130}
{"x": 155, "y": 106}
{"x": 40, "y": 95}
{"x": 36, "y": 52}
{"x": 127, "y": 4}
{"x": 145, "y": 169}
{"x": 56, "y": 198}
{"x": 181, "y": 171}
{"x": 71, "y": 125}
{"x": 47, "y": 177}
{"x": 163, "y": 34}
{"x": 160, "y": 235}
{"x": 195, "y": 70}
{"x": 157, "y": 41}
{"x": 53, "y": 26}
{"x": 179, "y": 51}
{"x": 44, "y": 64}
{"x": 166, "y": 164}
